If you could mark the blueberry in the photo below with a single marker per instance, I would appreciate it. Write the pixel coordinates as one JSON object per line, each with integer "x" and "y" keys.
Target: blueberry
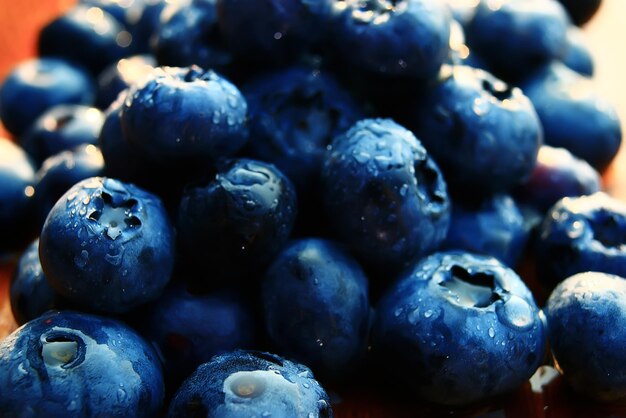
{"x": 581, "y": 11}
{"x": 30, "y": 293}
{"x": 484, "y": 133}
{"x": 394, "y": 38}
{"x": 189, "y": 328}
{"x": 269, "y": 33}
{"x": 121, "y": 75}
{"x": 189, "y": 34}
{"x": 316, "y": 307}
{"x": 17, "y": 205}
{"x": 185, "y": 114}
{"x": 107, "y": 246}
{"x": 586, "y": 315}
{"x": 61, "y": 171}
{"x": 87, "y": 36}
{"x": 70, "y": 364}
{"x": 579, "y": 234}
{"x": 246, "y": 384}
{"x": 234, "y": 225}
{"x": 61, "y": 128}
{"x": 384, "y": 195}
{"x": 578, "y": 55}
{"x": 573, "y": 115}
{"x": 494, "y": 226}
{"x": 557, "y": 174}
{"x": 294, "y": 115}
{"x": 458, "y": 328}
{"x": 515, "y": 36}
{"x": 36, "y": 85}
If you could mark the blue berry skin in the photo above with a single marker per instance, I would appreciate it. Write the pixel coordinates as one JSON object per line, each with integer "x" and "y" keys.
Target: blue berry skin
{"x": 531, "y": 33}
{"x": 573, "y": 115}
{"x": 581, "y": 234}
{"x": 248, "y": 383}
{"x": 294, "y": 114}
{"x": 70, "y": 364}
{"x": 270, "y": 33}
{"x": 86, "y": 36}
{"x": 405, "y": 38}
{"x": 185, "y": 114}
{"x": 557, "y": 174}
{"x": 316, "y": 307}
{"x": 189, "y": 34}
{"x": 384, "y": 195}
{"x": 458, "y": 328}
{"x": 61, "y": 128}
{"x": 36, "y": 85}
{"x": 61, "y": 171}
{"x": 493, "y": 226}
{"x": 107, "y": 246}
{"x": 234, "y": 225}
{"x": 578, "y": 56}
{"x": 120, "y": 76}
{"x": 484, "y": 133}
{"x": 188, "y": 329}
{"x": 17, "y": 205}
{"x": 30, "y": 293}
{"x": 586, "y": 316}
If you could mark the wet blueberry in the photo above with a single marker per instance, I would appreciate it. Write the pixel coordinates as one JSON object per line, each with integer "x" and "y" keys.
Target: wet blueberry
{"x": 484, "y": 133}
{"x": 121, "y": 75}
{"x": 457, "y": 328}
{"x": 61, "y": 128}
{"x": 586, "y": 316}
{"x": 234, "y": 225}
{"x": 185, "y": 115}
{"x": 36, "y": 85}
{"x": 246, "y": 384}
{"x": 107, "y": 246}
{"x": 70, "y": 364}
{"x": 384, "y": 196}
{"x": 578, "y": 234}
{"x": 316, "y": 307}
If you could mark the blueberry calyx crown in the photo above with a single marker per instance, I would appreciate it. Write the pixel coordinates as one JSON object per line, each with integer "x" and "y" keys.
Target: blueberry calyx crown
{"x": 471, "y": 288}
{"x": 375, "y": 11}
{"x": 62, "y": 348}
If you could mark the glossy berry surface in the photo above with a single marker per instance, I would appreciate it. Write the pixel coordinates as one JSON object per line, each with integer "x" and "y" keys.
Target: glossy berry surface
{"x": 107, "y": 246}
{"x": 586, "y": 315}
{"x": 61, "y": 171}
{"x": 248, "y": 383}
{"x": 235, "y": 224}
{"x": 384, "y": 195}
{"x": 557, "y": 174}
{"x": 185, "y": 114}
{"x": 121, "y": 75}
{"x": 61, "y": 128}
{"x": 30, "y": 293}
{"x": 573, "y": 115}
{"x": 493, "y": 226}
{"x": 70, "y": 364}
{"x": 531, "y": 32}
{"x": 581, "y": 234}
{"x": 316, "y": 307}
{"x": 86, "y": 36}
{"x": 17, "y": 205}
{"x": 484, "y": 133}
{"x": 452, "y": 307}
{"x": 367, "y": 34}
{"x": 189, "y": 329}
{"x": 36, "y": 85}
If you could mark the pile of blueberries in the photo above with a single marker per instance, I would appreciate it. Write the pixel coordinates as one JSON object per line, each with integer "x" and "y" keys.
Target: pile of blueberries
{"x": 216, "y": 200}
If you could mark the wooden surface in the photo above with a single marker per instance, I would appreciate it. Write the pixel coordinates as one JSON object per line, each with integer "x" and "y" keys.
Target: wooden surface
{"x": 605, "y": 33}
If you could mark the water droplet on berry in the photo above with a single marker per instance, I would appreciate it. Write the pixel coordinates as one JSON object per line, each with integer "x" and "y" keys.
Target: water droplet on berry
{"x": 82, "y": 259}
{"x": 492, "y": 332}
